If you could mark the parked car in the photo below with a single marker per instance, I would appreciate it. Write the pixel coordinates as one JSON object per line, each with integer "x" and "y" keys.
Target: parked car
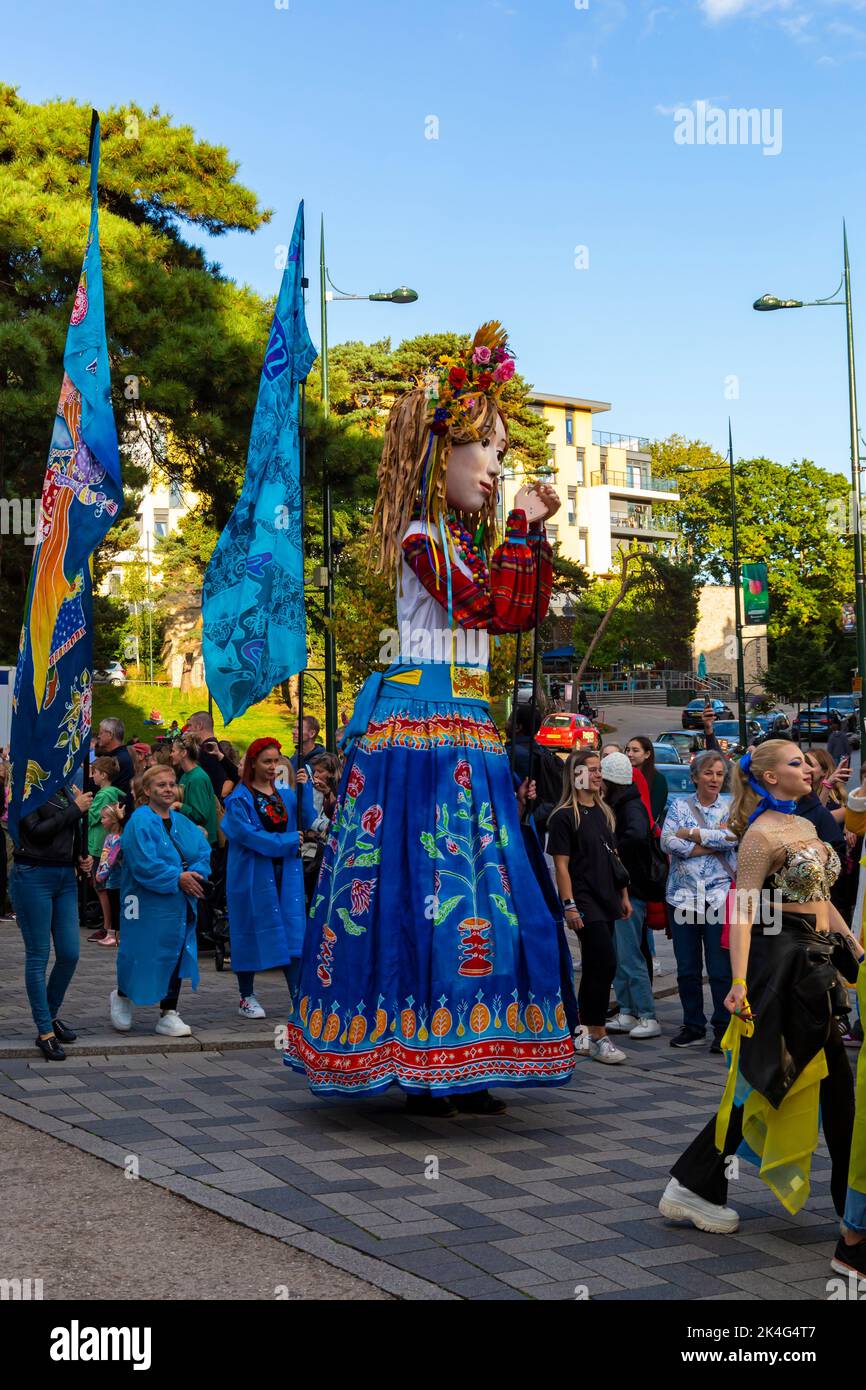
{"x": 666, "y": 753}
{"x": 679, "y": 780}
{"x": 684, "y": 742}
{"x": 680, "y": 783}
{"x": 813, "y": 724}
{"x": 524, "y": 690}
{"x": 113, "y": 674}
{"x": 567, "y": 732}
{"x": 727, "y": 731}
{"x": 693, "y": 714}
{"x": 775, "y": 721}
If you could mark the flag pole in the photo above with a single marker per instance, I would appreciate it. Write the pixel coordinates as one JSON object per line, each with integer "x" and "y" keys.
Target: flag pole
{"x": 536, "y": 621}
{"x": 85, "y": 766}
{"x": 302, "y": 439}
{"x": 514, "y": 702}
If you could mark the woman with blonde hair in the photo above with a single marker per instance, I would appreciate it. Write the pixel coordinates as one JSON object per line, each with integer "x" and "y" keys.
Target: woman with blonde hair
{"x": 431, "y": 959}
{"x": 787, "y": 1063}
{"x": 593, "y": 888}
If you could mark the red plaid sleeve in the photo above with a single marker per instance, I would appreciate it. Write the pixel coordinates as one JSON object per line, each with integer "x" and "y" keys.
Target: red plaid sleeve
{"x": 510, "y": 605}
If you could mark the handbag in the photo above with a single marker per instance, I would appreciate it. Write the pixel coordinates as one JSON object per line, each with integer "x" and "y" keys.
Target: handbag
{"x": 621, "y": 876}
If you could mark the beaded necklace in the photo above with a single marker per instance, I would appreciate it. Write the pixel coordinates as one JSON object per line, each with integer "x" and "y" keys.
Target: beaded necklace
{"x": 469, "y": 550}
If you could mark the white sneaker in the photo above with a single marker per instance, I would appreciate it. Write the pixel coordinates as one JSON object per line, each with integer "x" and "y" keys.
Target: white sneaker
{"x": 251, "y": 1008}
{"x": 121, "y": 1012}
{"x": 603, "y": 1050}
{"x": 581, "y": 1042}
{"x": 679, "y": 1204}
{"x": 621, "y": 1023}
{"x": 171, "y": 1025}
{"x": 646, "y": 1028}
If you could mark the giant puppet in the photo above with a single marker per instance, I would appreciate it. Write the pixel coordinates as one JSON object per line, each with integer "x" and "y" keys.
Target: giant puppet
{"x": 431, "y": 958}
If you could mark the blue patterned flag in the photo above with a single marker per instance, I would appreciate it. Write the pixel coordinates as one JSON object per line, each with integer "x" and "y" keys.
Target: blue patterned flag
{"x": 254, "y": 628}
{"x": 81, "y": 496}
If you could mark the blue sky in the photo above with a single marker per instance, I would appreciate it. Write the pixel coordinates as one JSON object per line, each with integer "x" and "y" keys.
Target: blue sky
{"x": 556, "y": 126}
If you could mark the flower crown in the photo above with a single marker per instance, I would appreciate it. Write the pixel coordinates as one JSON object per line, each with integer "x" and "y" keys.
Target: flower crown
{"x": 460, "y": 380}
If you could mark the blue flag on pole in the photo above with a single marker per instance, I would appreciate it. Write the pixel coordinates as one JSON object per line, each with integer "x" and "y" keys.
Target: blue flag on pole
{"x": 81, "y": 496}
{"x": 253, "y": 622}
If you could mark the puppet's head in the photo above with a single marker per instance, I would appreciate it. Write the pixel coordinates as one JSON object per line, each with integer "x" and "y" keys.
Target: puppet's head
{"x": 444, "y": 445}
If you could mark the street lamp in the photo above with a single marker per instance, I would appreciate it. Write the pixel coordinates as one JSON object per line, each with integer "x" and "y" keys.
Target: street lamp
{"x": 769, "y": 302}
{"x": 401, "y": 295}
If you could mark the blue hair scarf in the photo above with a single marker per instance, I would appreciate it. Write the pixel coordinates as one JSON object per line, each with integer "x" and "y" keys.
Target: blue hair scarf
{"x": 768, "y": 802}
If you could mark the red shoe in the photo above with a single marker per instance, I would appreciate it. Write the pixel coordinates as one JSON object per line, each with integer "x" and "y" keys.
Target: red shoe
{"x": 99, "y": 935}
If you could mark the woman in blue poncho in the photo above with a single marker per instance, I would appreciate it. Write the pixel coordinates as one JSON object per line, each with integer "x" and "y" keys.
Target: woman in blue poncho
{"x": 166, "y": 860}
{"x": 265, "y": 879}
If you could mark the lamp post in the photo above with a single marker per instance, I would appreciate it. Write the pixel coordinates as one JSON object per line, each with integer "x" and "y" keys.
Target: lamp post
{"x": 768, "y": 303}
{"x": 402, "y": 295}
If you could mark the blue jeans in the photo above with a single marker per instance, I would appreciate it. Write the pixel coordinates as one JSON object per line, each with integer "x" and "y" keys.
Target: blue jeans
{"x": 690, "y": 937}
{"x": 46, "y": 906}
{"x": 632, "y": 983}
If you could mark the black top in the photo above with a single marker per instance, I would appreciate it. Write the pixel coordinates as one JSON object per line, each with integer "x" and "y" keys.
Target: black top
{"x": 829, "y": 830}
{"x": 590, "y": 847}
{"x": 219, "y": 770}
{"x": 124, "y": 778}
{"x": 632, "y": 836}
{"x": 52, "y": 836}
{"x": 272, "y": 811}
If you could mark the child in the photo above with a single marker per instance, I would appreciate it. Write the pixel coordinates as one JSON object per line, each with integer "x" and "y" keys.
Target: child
{"x": 109, "y": 860}
{"x": 103, "y": 774}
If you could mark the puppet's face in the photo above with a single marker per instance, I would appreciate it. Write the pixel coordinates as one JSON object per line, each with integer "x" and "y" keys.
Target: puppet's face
{"x": 473, "y": 470}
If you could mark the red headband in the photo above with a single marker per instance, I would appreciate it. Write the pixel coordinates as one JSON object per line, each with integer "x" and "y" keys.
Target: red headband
{"x": 257, "y": 746}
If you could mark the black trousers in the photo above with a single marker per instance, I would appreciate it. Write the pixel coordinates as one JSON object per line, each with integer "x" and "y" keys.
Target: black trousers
{"x": 702, "y": 1168}
{"x": 597, "y": 969}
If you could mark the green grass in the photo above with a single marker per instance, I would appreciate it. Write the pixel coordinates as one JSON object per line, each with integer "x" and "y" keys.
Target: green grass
{"x": 132, "y": 703}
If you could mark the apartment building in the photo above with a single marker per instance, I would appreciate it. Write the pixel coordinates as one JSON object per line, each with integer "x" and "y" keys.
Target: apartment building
{"x": 610, "y": 498}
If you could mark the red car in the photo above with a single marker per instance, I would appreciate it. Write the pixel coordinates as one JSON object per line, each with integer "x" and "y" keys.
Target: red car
{"x": 568, "y": 732}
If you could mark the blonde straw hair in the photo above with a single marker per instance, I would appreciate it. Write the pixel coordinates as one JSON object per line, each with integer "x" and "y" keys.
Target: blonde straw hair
{"x": 568, "y": 800}
{"x": 401, "y": 475}
{"x": 745, "y": 798}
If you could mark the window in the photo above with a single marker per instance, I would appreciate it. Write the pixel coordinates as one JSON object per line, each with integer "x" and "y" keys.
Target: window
{"x": 581, "y": 464}
{"x": 581, "y": 545}
{"x": 175, "y": 494}
{"x": 114, "y": 581}
{"x": 572, "y": 506}
{"x": 160, "y": 521}
{"x": 552, "y": 534}
{"x": 569, "y": 427}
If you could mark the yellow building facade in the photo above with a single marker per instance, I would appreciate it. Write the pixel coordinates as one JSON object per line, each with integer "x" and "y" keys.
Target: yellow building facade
{"x": 609, "y": 497}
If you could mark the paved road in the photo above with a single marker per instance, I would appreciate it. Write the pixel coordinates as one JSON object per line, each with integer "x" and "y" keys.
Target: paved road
{"x": 93, "y": 1245}
{"x": 556, "y": 1195}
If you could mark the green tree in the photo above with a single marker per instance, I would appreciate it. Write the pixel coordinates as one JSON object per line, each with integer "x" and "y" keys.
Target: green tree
{"x": 794, "y": 518}
{"x": 190, "y": 340}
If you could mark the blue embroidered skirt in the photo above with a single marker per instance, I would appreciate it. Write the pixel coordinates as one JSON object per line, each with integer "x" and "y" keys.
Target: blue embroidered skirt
{"x": 431, "y": 958}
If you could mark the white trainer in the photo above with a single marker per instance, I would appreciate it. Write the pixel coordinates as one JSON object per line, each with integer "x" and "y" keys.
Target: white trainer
{"x": 581, "y": 1042}
{"x": 171, "y": 1025}
{"x": 621, "y": 1023}
{"x": 251, "y": 1008}
{"x": 121, "y": 1012}
{"x": 679, "y": 1204}
{"x": 603, "y": 1050}
{"x": 646, "y": 1028}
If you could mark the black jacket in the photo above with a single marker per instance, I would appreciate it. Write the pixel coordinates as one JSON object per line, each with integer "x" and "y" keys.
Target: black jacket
{"x": 53, "y": 836}
{"x": 791, "y": 979}
{"x": 632, "y": 837}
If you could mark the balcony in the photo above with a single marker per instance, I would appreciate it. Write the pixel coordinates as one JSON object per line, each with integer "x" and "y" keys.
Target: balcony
{"x": 638, "y": 521}
{"x": 634, "y": 443}
{"x": 635, "y": 482}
